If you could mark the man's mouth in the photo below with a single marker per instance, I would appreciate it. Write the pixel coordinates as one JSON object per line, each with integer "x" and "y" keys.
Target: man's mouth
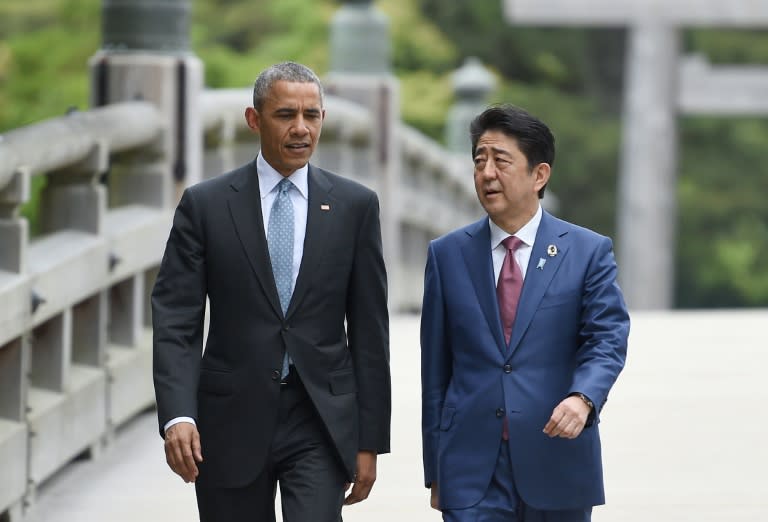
{"x": 297, "y": 146}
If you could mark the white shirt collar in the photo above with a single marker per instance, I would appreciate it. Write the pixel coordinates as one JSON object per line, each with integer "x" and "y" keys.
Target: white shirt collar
{"x": 269, "y": 178}
{"x": 527, "y": 233}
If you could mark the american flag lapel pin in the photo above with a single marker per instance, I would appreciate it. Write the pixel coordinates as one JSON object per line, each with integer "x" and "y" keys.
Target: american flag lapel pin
{"x": 326, "y": 207}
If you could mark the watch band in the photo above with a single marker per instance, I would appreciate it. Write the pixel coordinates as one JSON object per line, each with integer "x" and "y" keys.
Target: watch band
{"x": 586, "y": 400}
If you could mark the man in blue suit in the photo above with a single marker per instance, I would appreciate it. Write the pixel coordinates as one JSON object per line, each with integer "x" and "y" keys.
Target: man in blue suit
{"x": 523, "y": 333}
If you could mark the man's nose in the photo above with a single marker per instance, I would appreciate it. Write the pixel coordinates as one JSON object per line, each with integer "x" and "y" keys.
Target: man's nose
{"x": 299, "y": 127}
{"x": 489, "y": 170}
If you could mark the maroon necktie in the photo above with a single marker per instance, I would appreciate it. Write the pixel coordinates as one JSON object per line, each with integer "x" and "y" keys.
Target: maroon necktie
{"x": 508, "y": 293}
{"x": 509, "y": 286}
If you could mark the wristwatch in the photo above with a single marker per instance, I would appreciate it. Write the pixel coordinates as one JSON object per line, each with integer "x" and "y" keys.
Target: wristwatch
{"x": 586, "y": 400}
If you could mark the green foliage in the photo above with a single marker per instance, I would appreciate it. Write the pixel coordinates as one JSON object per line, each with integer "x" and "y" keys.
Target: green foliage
{"x": 418, "y": 45}
{"x": 722, "y": 257}
{"x": 571, "y": 78}
{"x": 730, "y": 46}
{"x": 236, "y": 39}
{"x": 44, "y": 51}
{"x": 29, "y": 209}
{"x": 573, "y": 60}
{"x": 43, "y": 59}
{"x": 425, "y": 100}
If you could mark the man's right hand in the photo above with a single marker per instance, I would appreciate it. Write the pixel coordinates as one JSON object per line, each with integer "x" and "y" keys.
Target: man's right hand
{"x": 182, "y": 450}
{"x": 434, "y": 500}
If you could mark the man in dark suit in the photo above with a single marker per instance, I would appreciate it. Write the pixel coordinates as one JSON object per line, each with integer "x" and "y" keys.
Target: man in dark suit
{"x": 524, "y": 332}
{"x": 293, "y": 387}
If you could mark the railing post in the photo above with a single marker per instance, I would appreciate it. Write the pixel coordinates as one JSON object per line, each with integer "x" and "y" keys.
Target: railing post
{"x": 74, "y": 198}
{"x": 361, "y": 72}
{"x": 145, "y": 55}
{"x": 14, "y": 230}
{"x": 472, "y": 83}
{"x": 360, "y": 42}
{"x": 14, "y": 349}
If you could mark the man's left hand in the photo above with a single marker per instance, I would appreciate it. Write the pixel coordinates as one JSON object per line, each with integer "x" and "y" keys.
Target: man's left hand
{"x": 364, "y": 478}
{"x": 568, "y": 418}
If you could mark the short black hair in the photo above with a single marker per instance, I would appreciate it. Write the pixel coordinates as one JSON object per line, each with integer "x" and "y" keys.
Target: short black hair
{"x": 285, "y": 71}
{"x": 533, "y": 137}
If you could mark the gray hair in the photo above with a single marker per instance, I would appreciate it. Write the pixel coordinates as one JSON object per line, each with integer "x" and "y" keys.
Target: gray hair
{"x": 287, "y": 72}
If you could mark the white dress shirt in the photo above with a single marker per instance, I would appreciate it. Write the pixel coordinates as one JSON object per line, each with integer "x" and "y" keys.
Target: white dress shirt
{"x": 527, "y": 234}
{"x": 268, "y": 180}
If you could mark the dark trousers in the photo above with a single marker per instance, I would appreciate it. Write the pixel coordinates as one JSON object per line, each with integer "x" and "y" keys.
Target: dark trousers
{"x": 302, "y": 461}
{"x": 502, "y": 503}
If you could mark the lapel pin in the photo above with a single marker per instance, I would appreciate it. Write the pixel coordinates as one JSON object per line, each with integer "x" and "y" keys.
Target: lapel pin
{"x": 551, "y": 250}
{"x": 540, "y": 266}
{"x": 325, "y": 207}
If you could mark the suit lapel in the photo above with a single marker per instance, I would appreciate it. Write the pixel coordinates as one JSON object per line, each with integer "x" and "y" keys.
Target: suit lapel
{"x": 245, "y": 210}
{"x": 537, "y": 279}
{"x": 318, "y": 226}
{"x": 477, "y": 256}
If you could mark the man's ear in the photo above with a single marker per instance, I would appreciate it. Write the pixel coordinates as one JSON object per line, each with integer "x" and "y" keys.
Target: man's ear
{"x": 252, "y": 118}
{"x": 542, "y": 172}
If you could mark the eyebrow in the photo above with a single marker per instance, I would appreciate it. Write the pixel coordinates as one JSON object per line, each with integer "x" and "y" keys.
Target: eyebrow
{"x": 483, "y": 149}
{"x": 291, "y": 110}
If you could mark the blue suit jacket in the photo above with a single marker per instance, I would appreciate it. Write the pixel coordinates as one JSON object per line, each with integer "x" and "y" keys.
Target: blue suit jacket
{"x": 570, "y": 335}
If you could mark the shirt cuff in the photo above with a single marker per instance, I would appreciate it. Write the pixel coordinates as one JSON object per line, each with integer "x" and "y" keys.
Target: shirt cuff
{"x": 176, "y": 421}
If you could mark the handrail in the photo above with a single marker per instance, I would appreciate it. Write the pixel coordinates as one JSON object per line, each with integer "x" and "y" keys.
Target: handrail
{"x": 59, "y": 142}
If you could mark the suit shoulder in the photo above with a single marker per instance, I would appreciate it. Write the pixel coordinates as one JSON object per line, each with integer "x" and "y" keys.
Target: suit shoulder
{"x": 459, "y": 235}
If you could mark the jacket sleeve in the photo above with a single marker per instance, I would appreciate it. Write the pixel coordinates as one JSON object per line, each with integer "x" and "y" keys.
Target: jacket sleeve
{"x": 435, "y": 365}
{"x": 368, "y": 332}
{"x": 604, "y": 329}
{"x": 178, "y": 308}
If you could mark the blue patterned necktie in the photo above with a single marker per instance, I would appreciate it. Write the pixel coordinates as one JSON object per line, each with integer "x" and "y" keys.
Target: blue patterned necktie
{"x": 280, "y": 240}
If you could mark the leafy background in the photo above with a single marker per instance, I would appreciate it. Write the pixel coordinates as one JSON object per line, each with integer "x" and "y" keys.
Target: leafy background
{"x": 571, "y": 78}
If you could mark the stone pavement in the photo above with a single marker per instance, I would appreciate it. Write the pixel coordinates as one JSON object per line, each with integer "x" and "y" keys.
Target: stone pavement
{"x": 683, "y": 436}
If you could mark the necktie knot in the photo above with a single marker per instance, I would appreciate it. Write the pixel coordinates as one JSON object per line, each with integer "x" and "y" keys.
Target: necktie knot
{"x": 512, "y": 243}
{"x": 284, "y": 186}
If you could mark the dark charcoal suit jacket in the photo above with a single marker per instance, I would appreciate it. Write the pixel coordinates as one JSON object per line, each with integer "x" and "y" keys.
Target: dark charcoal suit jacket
{"x": 217, "y": 249}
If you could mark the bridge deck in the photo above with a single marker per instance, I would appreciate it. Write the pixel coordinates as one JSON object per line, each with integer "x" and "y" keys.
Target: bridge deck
{"x": 683, "y": 433}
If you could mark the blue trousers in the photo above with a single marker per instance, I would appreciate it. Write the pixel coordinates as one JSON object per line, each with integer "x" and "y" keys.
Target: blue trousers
{"x": 501, "y": 502}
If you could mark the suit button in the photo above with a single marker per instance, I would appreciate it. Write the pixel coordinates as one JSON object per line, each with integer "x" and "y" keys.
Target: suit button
{"x": 286, "y": 327}
{"x": 500, "y": 412}
{"x": 275, "y": 375}
{"x": 507, "y": 368}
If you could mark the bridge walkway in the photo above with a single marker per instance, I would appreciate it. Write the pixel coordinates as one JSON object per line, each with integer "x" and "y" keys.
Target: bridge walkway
{"x": 683, "y": 437}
